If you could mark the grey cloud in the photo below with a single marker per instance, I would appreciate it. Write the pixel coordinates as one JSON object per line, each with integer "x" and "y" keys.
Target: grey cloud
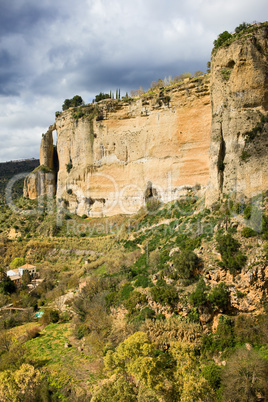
{"x": 50, "y": 51}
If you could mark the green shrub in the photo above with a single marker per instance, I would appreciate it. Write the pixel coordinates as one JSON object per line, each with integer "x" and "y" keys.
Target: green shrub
{"x": 126, "y": 291}
{"x": 228, "y": 247}
{"x": 135, "y": 298}
{"x": 199, "y": 296}
{"x": 241, "y": 27}
{"x": 212, "y": 373}
{"x": 17, "y": 262}
{"x": 69, "y": 166}
{"x": 225, "y": 73}
{"x": 164, "y": 294}
{"x": 50, "y": 316}
{"x": 153, "y": 204}
{"x": 219, "y": 296}
{"x": 142, "y": 281}
{"x": 102, "y": 96}
{"x": 185, "y": 263}
{"x": 248, "y": 232}
{"x": 145, "y": 314}
{"x": 81, "y": 330}
{"x": 74, "y": 102}
{"x": 222, "y": 38}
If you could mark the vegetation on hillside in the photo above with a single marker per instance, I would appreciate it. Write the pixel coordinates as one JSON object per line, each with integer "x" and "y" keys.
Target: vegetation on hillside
{"x": 226, "y": 38}
{"x": 168, "y": 287}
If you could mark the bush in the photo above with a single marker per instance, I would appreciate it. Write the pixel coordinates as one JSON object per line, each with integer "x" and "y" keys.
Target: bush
{"x": 248, "y": 232}
{"x": 142, "y": 281}
{"x": 153, "y": 204}
{"x": 135, "y": 298}
{"x": 222, "y": 38}
{"x": 50, "y": 316}
{"x": 241, "y": 27}
{"x": 219, "y": 297}
{"x": 228, "y": 248}
{"x": 164, "y": 295}
{"x": 102, "y": 96}
{"x": 69, "y": 166}
{"x": 74, "y": 102}
{"x": 17, "y": 262}
{"x": 33, "y": 332}
{"x": 185, "y": 263}
{"x": 244, "y": 378}
{"x": 212, "y": 373}
{"x": 199, "y": 296}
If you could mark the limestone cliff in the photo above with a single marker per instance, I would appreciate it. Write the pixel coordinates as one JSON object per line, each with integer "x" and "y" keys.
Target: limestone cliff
{"x": 42, "y": 181}
{"x": 159, "y": 142}
{"x": 239, "y": 99}
{"x": 113, "y": 155}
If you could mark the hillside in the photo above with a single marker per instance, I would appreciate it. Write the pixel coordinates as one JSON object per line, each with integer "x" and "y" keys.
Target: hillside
{"x": 176, "y": 282}
{"x": 10, "y": 169}
{"x": 148, "y": 227}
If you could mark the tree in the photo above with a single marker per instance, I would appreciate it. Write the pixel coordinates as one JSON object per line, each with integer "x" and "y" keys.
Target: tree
{"x": 228, "y": 247}
{"x": 185, "y": 263}
{"x": 198, "y": 73}
{"x": 137, "y": 357}
{"x": 19, "y": 385}
{"x": 26, "y": 278}
{"x": 244, "y": 377}
{"x": 17, "y": 262}
{"x": 7, "y": 286}
{"x": 117, "y": 388}
{"x": 74, "y": 102}
{"x": 219, "y": 296}
{"x": 102, "y": 96}
{"x": 222, "y": 38}
{"x": 199, "y": 296}
{"x": 241, "y": 27}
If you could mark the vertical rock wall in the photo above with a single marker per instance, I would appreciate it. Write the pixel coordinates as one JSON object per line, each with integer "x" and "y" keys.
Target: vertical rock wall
{"x": 106, "y": 162}
{"x": 239, "y": 99}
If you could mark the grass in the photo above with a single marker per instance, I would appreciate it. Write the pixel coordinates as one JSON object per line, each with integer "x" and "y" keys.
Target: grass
{"x": 64, "y": 365}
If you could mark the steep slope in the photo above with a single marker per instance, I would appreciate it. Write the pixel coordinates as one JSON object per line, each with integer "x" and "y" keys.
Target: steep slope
{"x": 159, "y": 142}
{"x": 239, "y": 99}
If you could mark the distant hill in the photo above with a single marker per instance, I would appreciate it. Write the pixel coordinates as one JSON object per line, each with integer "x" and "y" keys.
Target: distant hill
{"x": 10, "y": 169}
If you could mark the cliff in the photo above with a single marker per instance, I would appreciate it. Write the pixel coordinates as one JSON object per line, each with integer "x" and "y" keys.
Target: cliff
{"x": 42, "y": 181}
{"x": 239, "y": 101}
{"x": 114, "y": 155}
{"x": 116, "y": 151}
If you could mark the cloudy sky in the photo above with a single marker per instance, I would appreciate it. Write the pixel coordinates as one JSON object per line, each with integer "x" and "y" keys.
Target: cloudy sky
{"x": 53, "y": 50}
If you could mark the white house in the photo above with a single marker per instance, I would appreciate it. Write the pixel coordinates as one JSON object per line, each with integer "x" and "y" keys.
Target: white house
{"x": 19, "y": 271}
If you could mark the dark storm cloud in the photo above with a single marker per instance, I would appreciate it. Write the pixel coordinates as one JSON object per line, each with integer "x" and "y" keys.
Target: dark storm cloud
{"x": 52, "y": 50}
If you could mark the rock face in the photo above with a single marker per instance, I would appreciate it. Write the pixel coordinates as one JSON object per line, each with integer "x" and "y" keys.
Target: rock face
{"x": 152, "y": 146}
{"x": 42, "y": 181}
{"x": 239, "y": 99}
{"x": 46, "y": 148}
{"x": 114, "y": 155}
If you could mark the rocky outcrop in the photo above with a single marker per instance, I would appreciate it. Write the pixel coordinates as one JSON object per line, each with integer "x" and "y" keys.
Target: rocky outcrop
{"x": 46, "y": 148}
{"x": 109, "y": 161}
{"x": 42, "y": 181}
{"x": 239, "y": 99}
{"x": 115, "y": 155}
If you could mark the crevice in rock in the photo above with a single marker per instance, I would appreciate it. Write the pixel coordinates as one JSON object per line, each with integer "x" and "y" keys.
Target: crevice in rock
{"x": 150, "y": 192}
{"x": 220, "y": 164}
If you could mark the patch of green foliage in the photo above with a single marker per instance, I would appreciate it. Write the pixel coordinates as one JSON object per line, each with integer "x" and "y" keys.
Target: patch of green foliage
{"x": 185, "y": 263}
{"x": 232, "y": 258}
{"x": 165, "y": 294}
{"x": 74, "y": 102}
